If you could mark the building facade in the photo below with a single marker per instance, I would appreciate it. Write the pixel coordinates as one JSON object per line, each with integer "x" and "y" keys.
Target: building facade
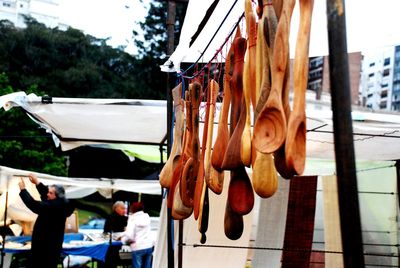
{"x": 44, "y": 11}
{"x": 380, "y": 79}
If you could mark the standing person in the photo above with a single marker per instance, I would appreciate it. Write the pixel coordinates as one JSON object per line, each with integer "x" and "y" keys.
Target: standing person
{"x": 115, "y": 223}
{"x": 48, "y": 230}
{"x": 138, "y": 236}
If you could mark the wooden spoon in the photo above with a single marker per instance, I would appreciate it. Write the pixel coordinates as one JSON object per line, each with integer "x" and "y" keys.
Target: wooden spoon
{"x": 270, "y": 126}
{"x": 200, "y": 176}
{"x": 249, "y": 83}
{"x": 233, "y": 223}
{"x": 179, "y": 210}
{"x": 295, "y": 148}
{"x": 214, "y": 89}
{"x": 222, "y": 138}
{"x": 191, "y": 168}
{"x": 216, "y": 180}
{"x": 240, "y": 192}
{"x": 186, "y": 152}
{"x": 232, "y": 158}
{"x": 167, "y": 171}
{"x": 264, "y": 176}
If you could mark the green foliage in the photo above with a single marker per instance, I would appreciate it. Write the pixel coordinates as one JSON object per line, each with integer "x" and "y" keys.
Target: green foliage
{"x": 69, "y": 63}
{"x": 22, "y": 144}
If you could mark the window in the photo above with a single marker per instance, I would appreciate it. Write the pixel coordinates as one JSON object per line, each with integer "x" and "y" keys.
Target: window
{"x": 386, "y": 72}
{"x": 384, "y": 94}
{"x": 383, "y": 105}
{"x": 5, "y": 4}
{"x": 371, "y": 75}
{"x": 386, "y": 62}
{"x": 372, "y": 64}
{"x": 370, "y": 95}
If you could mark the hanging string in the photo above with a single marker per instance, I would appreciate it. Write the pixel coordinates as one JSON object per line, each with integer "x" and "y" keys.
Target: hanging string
{"x": 217, "y": 52}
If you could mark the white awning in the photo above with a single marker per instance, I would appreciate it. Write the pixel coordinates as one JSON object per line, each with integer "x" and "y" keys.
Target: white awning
{"x": 136, "y": 126}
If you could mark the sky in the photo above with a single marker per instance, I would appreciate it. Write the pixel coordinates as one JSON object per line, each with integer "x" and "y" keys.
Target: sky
{"x": 105, "y": 18}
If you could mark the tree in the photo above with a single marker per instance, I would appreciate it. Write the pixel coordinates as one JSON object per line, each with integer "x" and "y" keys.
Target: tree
{"x": 22, "y": 144}
{"x": 153, "y": 49}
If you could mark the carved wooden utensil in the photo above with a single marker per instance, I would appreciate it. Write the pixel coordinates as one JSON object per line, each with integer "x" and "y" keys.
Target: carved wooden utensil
{"x": 249, "y": 82}
{"x": 233, "y": 223}
{"x": 270, "y": 126}
{"x": 240, "y": 192}
{"x": 200, "y": 175}
{"x": 232, "y": 158}
{"x": 186, "y": 153}
{"x": 191, "y": 168}
{"x": 167, "y": 171}
{"x": 295, "y": 148}
{"x": 264, "y": 176}
{"x": 221, "y": 142}
{"x": 214, "y": 90}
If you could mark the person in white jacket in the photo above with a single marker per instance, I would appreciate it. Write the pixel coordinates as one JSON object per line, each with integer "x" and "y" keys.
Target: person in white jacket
{"x": 138, "y": 236}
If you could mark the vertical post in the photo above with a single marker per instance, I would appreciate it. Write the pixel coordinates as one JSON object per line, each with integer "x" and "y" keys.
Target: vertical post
{"x": 170, "y": 49}
{"x": 343, "y": 136}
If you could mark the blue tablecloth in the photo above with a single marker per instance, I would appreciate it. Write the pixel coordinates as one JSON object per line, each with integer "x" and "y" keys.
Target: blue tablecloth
{"x": 96, "y": 250}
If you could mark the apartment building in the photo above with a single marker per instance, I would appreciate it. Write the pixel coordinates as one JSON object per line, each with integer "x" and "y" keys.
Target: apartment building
{"x": 44, "y": 11}
{"x": 319, "y": 79}
{"x": 380, "y": 79}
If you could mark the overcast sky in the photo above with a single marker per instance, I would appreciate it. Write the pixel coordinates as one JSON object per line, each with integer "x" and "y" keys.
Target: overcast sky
{"x": 105, "y": 18}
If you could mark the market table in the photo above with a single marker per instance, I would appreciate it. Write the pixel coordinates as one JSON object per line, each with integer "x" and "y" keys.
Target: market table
{"x": 74, "y": 244}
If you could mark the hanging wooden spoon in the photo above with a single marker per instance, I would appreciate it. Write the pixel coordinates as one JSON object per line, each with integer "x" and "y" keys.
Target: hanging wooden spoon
{"x": 270, "y": 126}
{"x": 214, "y": 89}
{"x": 216, "y": 180}
{"x": 167, "y": 171}
{"x": 233, "y": 223}
{"x": 296, "y": 137}
{"x": 264, "y": 175}
{"x": 200, "y": 175}
{"x": 249, "y": 83}
{"x": 221, "y": 142}
{"x": 186, "y": 153}
{"x": 179, "y": 210}
{"x": 240, "y": 192}
{"x": 191, "y": 168}
{"x": 232, "y": 158}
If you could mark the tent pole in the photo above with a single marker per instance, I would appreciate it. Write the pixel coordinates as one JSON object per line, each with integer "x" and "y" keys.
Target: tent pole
{"x": 4, "y": 225}
{"x": 170, "y": 49}
{"x": 343, "y": 136}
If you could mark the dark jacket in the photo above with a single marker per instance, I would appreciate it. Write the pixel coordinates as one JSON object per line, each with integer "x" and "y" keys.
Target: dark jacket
{"x": 115, "y": 223}
{"x": 48, "y": 231}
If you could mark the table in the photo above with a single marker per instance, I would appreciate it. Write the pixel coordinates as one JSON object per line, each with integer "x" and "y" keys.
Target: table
{"x": 74, "y": 244}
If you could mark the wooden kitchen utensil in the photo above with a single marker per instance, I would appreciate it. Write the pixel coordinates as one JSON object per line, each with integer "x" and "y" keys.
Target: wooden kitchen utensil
{"x": 295, "y": 148}
{"x": 167, "y": 171}
{"x": 270, "y": 126}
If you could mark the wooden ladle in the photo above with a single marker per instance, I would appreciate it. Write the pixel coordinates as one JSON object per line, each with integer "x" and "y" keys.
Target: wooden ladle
{"x": 270, "y": 125}
{"x": 167, "y": 171}
{"x": 295, "y": 148}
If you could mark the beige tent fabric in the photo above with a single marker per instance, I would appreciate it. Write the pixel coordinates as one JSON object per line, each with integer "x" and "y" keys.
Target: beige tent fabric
{"x": 332, "y": 233}
{"x": 228, "y": 253}
{"x": 271, "y": 227}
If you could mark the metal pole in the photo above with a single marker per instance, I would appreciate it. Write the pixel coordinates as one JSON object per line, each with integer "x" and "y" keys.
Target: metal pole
{"x": 343, "y": 136}
{"x": 170, "y": 50}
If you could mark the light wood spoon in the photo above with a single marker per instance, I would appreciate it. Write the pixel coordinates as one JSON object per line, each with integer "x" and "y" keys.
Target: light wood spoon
{"x": 295, "y": 148}
{"x": 270, "y": 126}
